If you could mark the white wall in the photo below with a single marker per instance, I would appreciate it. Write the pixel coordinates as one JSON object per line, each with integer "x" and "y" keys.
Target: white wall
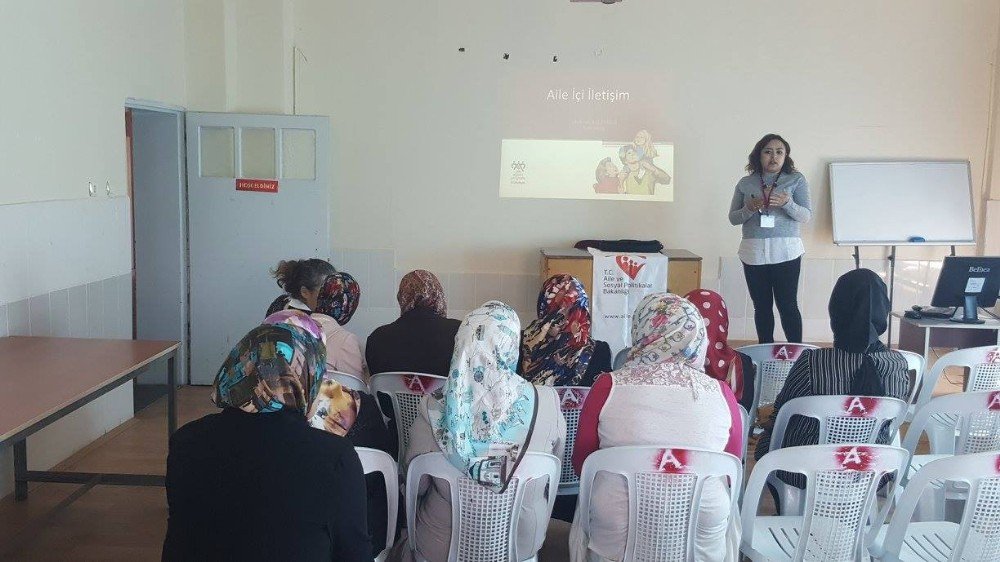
{"x": 65, "y": 258}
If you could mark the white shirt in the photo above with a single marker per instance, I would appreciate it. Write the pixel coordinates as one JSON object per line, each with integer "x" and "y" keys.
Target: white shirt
{"x": 343, "y": 350}
{"x": 767, "y": 251}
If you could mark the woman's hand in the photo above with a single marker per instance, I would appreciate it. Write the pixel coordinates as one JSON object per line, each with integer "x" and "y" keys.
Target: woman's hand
{"x": 778, "y": 199}
{"x": 754, "y": 204}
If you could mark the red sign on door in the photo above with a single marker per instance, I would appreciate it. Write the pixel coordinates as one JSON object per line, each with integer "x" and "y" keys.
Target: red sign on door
{"x": 263, "y": 186}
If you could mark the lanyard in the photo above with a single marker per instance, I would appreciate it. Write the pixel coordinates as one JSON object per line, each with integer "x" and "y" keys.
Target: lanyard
{"x": 765, "y": 194}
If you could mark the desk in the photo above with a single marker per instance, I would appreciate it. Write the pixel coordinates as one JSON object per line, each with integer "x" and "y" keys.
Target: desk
{"x": 683, "y": 272}
{"x": 46, "y": 378}
{"x": 919, "y": 336}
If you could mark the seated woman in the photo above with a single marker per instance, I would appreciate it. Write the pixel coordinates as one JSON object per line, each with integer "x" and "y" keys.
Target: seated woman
{"x": 255, "y": 482}
{"x": 301, "y": 281}
{"x": 422, "y": 339}
{"x": 485, "y": 412}
{"x": 350, "y": 414}
{"x": 556, "y": 349}
{"x": 659, "y": 397}
{"x": 331, "y": 297}
{"x": 858, "y": 363}
{"x": 722, "y": 362}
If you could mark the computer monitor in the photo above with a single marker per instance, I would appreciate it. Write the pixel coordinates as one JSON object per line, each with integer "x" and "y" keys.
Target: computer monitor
{"x": 968, "y": 282}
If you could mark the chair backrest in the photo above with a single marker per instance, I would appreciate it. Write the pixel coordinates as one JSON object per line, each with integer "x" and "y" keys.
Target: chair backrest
{"x": 745, "y": 416}
{"x": 373, "y": 460}
{"x": 842, "y": 418}
{"x": 664, "y": 493}
{"x": 773, "y": 362}
{"x": 571, "y": 400}
{"x": 405, "y": 391}
{"x": 976, "y": 416}
{"x": 983, "y": 363}
{"x": 915, "y": 363}
{"x": 841, "y": 482}
{"x": 348, "y": 380}
{"x": 486, "y": 528}
{"x": 978, "y": 536}
{"x": 620, "y": 358}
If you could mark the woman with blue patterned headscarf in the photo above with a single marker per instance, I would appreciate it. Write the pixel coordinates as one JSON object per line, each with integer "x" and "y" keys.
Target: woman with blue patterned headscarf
{"x": 484, "y": 419}
{"x": 556, "y": 348}
{"x": 255, "y": 481}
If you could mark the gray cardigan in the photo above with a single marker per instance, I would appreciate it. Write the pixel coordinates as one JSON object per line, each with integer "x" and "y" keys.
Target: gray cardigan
{"x": 786, "y": 219}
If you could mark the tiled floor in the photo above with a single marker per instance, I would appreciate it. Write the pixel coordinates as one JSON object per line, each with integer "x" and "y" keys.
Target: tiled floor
{"x": 126, "y": 523}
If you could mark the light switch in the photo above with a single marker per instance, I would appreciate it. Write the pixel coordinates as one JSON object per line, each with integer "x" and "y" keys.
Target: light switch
{"x": 92, "y": 188}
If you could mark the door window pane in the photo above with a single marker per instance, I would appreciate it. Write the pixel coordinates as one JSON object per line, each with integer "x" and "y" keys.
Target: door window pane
{"x": 218, "y": 155}
{"x": 298, "y": 154}
{"x": 258, "y": 153}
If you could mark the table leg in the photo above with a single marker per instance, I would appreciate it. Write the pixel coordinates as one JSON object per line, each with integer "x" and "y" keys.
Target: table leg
{"x": 171, "y": 395}
{"x": 927, "y": 345}
{"x": 20, "y": 470}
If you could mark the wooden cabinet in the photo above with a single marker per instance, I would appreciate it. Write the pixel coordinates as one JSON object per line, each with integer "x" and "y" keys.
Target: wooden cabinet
{"x": 683, "y": 273}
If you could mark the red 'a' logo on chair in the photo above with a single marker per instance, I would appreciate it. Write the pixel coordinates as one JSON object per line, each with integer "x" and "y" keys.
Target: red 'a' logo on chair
{"x": 414, "y": 383}
{"x": 994, "y": 401}
{"x": 672, "y": 461}
{"x": 993, "y": 356}
{"x": 786, "y": 352}
{"x": 571, "y": 398}
{"x": 854, "y": 457}
{"x": 630, "y": 266}
{"x": 860, "y": 406}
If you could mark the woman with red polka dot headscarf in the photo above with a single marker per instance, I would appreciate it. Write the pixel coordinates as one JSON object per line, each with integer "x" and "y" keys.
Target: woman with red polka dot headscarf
{"x": 722, "y": 361}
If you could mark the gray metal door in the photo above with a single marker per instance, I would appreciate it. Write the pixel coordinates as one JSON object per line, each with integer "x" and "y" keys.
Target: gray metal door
{"x": 257, "y": 193}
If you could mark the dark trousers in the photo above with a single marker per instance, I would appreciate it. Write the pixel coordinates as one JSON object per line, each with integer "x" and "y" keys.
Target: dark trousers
{"x": 770, "y": 284}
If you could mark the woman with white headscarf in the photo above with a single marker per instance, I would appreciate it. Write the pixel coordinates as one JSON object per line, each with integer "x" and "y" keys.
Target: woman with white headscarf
{"x": 485, "y": 416}
{"x": 660, "y": 396}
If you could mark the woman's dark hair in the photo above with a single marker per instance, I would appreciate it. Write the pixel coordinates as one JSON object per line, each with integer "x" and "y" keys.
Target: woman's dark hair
{"x": 753, "y": 163}
{"x": 293, "y": 275}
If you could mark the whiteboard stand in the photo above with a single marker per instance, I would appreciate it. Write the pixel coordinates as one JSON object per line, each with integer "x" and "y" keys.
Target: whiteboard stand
{"x": 918, "y": 203}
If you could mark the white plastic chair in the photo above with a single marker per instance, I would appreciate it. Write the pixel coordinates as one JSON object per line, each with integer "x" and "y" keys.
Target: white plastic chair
{"x": 349, "y": 381}
{"x": 406, "y": 391}
{"x": 664, "y": 494}
{"x": 984, "y": 374}
{"x": 620, "y": 358}
{"x": 773, "y": 361}
{"x": 839, "y": 499}
{"x": 975, "y": 537}
{"x": 915, "y": 363}
{"x": 571, "y": 400}
{"x": 842, "y": 419}
{"x": 976, "y": 418}
{"x": 484, "y": 523}
{"x": 745, "y": 416}
{"x": 373, "y": 460}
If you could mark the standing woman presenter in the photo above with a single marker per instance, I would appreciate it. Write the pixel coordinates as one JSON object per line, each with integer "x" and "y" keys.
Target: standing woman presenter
{"x": 770, "y": 203}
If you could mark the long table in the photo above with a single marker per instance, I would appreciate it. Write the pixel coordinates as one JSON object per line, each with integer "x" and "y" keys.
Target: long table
{"x": 43, "y": 379}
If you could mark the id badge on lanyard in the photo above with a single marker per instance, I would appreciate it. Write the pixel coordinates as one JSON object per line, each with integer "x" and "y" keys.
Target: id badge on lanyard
{"x": 766, "y": 218}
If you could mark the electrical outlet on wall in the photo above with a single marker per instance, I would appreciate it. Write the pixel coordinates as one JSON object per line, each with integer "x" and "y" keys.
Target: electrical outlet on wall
{"x": 92, "y": 188}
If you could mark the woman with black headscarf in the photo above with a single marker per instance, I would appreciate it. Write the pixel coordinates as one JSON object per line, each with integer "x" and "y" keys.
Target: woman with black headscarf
{"x": 857, "y": 364}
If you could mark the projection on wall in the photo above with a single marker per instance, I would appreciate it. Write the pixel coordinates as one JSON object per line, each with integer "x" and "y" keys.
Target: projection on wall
{"x": 585, "y": 138}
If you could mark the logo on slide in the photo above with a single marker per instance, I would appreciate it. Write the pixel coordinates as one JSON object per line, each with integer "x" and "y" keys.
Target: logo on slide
{"x": 518, "y": 177}
{"x": 630, "y": 266}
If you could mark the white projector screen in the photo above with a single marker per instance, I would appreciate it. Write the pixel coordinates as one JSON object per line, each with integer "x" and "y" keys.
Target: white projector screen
{"x": 898, "y": 203}
{"x": 574, "y": 134}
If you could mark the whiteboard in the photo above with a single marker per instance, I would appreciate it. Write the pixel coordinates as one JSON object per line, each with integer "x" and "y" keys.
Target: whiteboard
{"x": 888, "y": 203}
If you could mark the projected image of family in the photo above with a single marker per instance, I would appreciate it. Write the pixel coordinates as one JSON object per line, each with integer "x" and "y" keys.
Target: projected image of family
{"x": 637, "y": 169}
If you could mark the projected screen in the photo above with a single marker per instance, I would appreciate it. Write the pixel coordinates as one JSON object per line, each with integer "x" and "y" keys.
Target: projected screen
{"x": 585, "y": 142}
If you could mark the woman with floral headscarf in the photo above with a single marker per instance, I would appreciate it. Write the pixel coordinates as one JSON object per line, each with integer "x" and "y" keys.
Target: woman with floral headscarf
{"x": 422, "y": 339}
{"x": 660, "y": 396}
{"x": 556, "y": 348}
{"x": 484, "y": 419}
{"x": 255, "y": 481}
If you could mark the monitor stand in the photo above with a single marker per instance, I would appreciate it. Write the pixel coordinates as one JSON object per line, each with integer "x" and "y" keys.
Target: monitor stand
{"x": 970, "y": 312}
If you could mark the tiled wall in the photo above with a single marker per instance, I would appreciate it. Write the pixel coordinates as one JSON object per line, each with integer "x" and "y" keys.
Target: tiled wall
{"x": 65, "y": 271}
{"x": 379, "y": 279}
